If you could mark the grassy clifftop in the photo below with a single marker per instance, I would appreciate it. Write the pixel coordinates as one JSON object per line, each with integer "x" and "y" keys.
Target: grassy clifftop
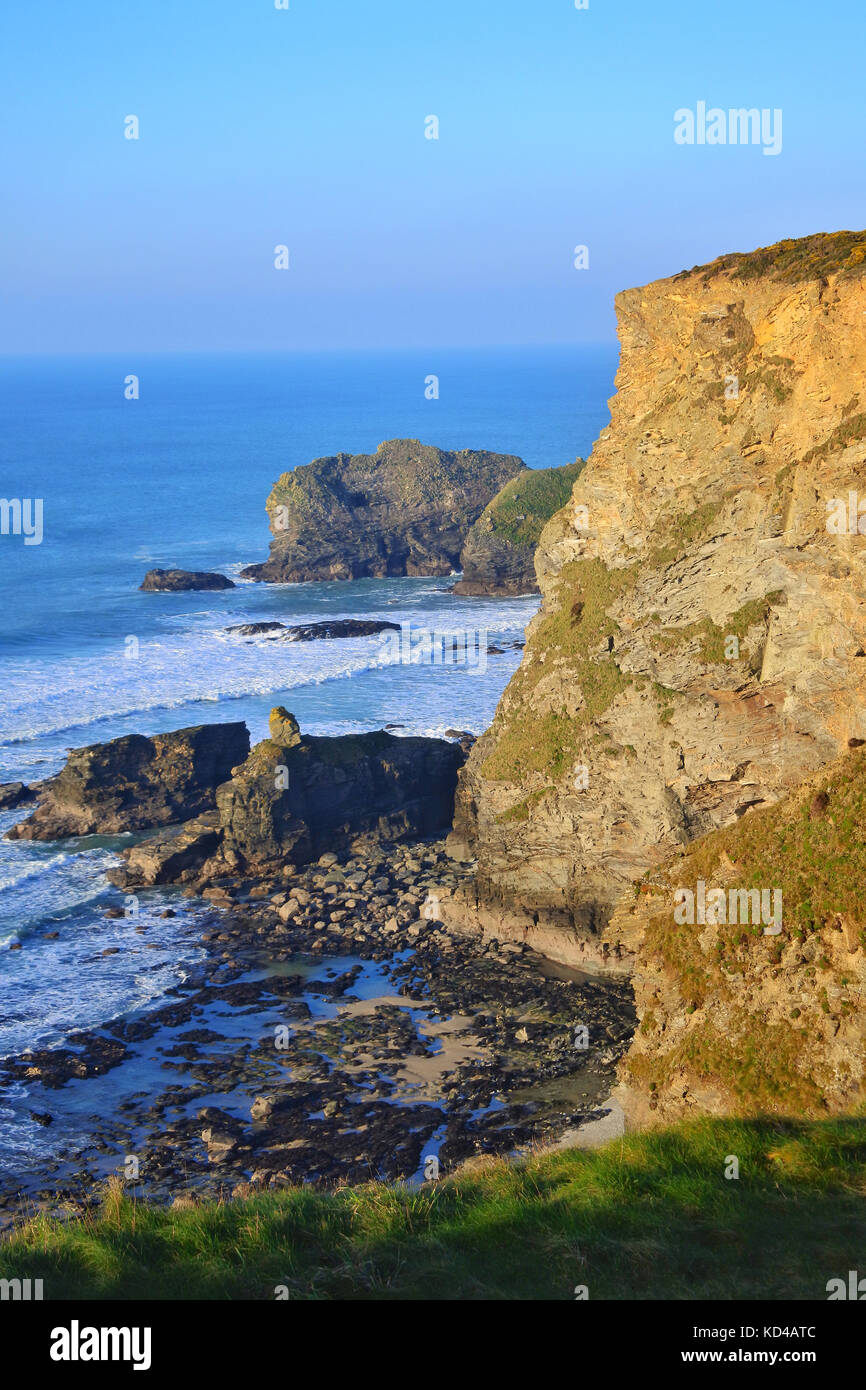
{"x": 795, "y": 259}
{"x": 651, "y": 1216}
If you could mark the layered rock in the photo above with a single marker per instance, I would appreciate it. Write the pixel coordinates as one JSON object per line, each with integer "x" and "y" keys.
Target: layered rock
{"x": 181, "y": 581}
{"x": 404, "y": 510}
{"x": 701, "y": 645}
{"x": 135, "y": 783}
{"x": 498, "y": 555}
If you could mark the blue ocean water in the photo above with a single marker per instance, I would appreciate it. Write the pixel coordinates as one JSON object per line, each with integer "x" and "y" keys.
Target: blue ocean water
{"x": 179, "y": 477}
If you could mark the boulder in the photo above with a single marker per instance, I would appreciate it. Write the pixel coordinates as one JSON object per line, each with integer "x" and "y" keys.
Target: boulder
{"x": 284, "y": 727}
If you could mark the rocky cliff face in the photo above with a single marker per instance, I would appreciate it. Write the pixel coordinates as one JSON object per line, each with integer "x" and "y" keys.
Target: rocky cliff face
{"x": 497, "y": 558}
{"x": 404, "y": 510}
{"x": 701, "y": 646}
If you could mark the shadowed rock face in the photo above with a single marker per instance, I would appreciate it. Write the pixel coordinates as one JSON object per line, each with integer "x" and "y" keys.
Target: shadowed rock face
{"x": 328, "y": 793}
{"x": 404, "y": 510}
{"x": 135, "y": 783}
{"x": 179, "y": 581}
{"x": 700, "y": 646}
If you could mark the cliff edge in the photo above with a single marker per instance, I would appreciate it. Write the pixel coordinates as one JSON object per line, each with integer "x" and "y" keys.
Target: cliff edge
{"x": 701, "y": 644}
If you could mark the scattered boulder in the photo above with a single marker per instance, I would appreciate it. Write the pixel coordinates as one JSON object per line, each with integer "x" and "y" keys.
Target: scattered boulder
{"x": 180, "y": 581}
{"x": 136, "y": 783}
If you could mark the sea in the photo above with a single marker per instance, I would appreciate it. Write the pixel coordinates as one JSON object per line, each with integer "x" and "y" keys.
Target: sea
{"x": 178, "y": 477}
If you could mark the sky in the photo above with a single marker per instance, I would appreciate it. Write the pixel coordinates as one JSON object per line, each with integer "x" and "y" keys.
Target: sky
{"x": 305, "y": 127}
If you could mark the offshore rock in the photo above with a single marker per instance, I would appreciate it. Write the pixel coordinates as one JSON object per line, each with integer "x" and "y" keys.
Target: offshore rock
{"x": 136, "y": 783}
{"x": 404, "y": 510}
{"x": 179, "y": 581}
{"x": 497, "y": 558}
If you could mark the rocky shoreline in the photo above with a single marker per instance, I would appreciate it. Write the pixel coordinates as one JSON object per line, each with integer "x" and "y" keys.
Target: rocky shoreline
{"x": 364, "y": 1039}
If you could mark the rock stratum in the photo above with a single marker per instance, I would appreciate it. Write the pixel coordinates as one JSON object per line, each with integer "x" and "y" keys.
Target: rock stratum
{"x": 404, "y": 510}
{"x": 498, "y": 555}
{"x": 701, "y": 645}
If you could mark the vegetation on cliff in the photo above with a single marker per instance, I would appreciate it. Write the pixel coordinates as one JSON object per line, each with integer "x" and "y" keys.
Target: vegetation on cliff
{"x": 801, "y": 258}
{"x": 498, "y": 554}
{"x": 772, "y": 1022}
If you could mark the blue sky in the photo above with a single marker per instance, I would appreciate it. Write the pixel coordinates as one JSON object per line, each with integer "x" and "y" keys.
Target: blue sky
{"x": 305, "y": 127}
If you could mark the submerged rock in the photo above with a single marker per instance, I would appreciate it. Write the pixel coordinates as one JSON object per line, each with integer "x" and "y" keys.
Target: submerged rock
{"x": 254, "y": 629}
{"x": 404, "y": 510}
{"x": 178, "y": 581}
{"x": 136, "y": 783}
{"x": 340, "y": 627}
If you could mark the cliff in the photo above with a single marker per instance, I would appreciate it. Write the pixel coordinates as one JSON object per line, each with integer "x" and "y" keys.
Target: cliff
{"x": 404, "y": 510}
{"x": 497, "y": 557}
{"x": 701, "y": 645}
{"x": 735, "y": 1016}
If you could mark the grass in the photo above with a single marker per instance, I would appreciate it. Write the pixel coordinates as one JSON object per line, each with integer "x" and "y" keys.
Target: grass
{"x": 573, "y": 632}
{"x": 714, "y": 639}
{"x": 522, "y": 508}
{"x": 811, "y": 846}
{"x": 650, "y": 1216}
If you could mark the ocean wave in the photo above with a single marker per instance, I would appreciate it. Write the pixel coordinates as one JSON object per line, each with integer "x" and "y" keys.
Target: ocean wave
{"x": 201, "y": 661}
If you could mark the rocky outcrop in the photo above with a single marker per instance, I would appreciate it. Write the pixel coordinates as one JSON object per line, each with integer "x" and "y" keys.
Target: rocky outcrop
{"x": 404, "y": 510}
{"x": 136, "y": 783}
{"x": 14, "y": 794}
{"x": 180, "y": 581}
{"x": 701, "y": 645}
{"x": 296, "y": 797}
{"x": 497, "y": 558}
{"x": 750, "y": 973}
